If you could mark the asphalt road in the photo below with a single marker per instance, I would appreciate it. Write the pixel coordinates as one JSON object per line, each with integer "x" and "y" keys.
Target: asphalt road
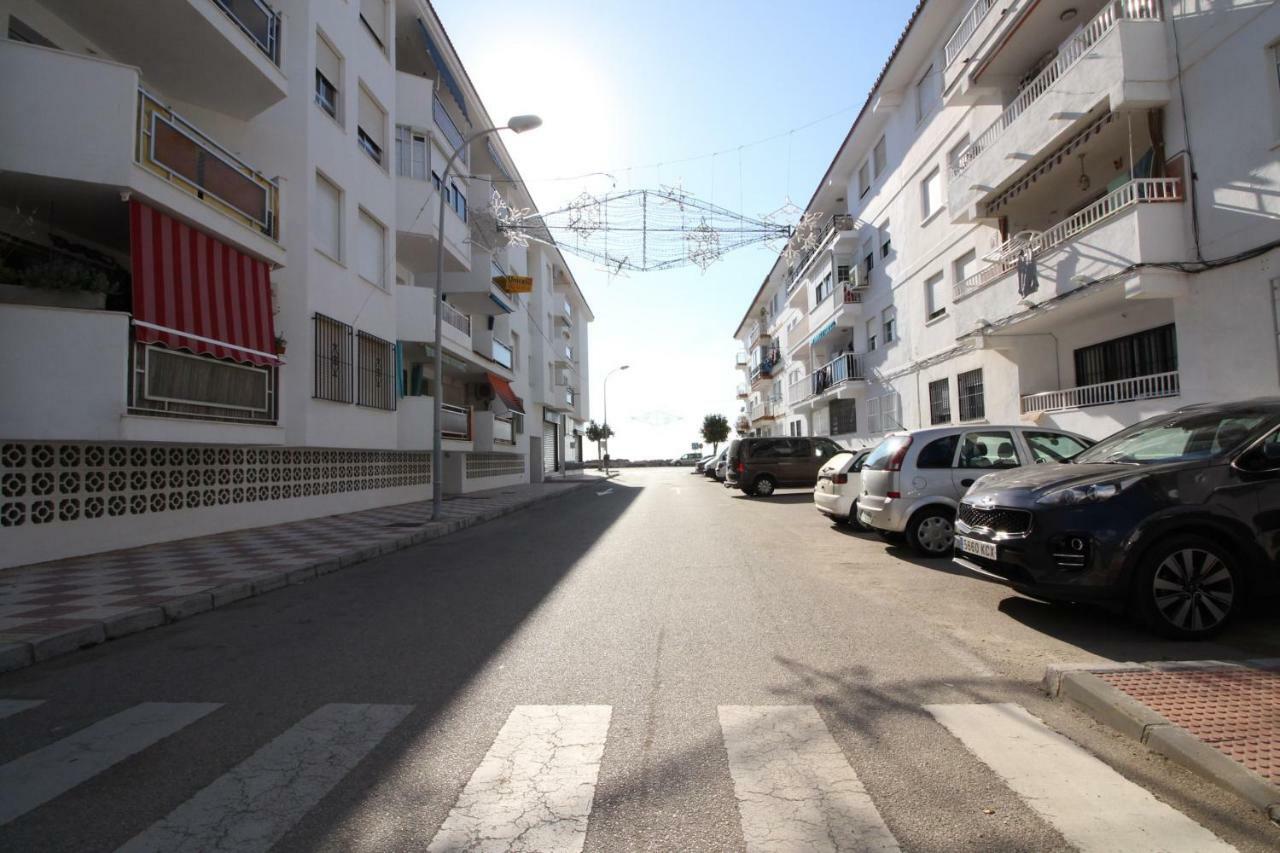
{"x": 655, "y": 663}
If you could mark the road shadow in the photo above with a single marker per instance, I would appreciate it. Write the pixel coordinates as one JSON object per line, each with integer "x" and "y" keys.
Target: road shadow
{"x": 779, "y": 497}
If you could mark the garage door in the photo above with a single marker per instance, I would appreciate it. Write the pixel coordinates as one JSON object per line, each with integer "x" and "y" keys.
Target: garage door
{"x": 550, "y": 446}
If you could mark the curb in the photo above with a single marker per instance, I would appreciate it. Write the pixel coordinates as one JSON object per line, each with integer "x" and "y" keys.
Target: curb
{"x": 19, "y": 654}
{"x": 1080, "y": 685}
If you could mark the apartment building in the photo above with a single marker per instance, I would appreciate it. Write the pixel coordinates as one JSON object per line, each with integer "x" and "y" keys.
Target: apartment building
{"x": 1059, "y": 212}
{"x": 218, "y": 244}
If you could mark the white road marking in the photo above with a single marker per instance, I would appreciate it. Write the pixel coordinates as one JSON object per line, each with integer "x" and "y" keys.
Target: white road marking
{"x": 605, "y": 492}
{"x": 253, "y": 805}
{"x": 9, "y": 707}
{"x": 534, "y": 788}
{"x": 1093, "y": 806}
{"x": 38, "y": 777}
{"x": 795, "y": 789}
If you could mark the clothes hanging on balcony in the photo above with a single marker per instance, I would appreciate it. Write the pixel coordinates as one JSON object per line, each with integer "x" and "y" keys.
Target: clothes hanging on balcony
{"x": 193, "y": 292}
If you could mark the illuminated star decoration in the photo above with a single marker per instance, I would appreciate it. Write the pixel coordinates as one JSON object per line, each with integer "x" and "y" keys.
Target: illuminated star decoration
{"x": 702, "y": 244}
{"x": 583, "y": 215}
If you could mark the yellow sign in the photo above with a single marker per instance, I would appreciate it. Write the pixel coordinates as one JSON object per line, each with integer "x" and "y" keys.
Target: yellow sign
{"x": 514, "y": 283}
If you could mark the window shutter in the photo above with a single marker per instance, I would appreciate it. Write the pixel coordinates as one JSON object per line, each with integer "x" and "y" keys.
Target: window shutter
{"x": 327, "y": 218}
{"x": 374, "y": 13}
{"x": 371, "y": 250}
{"x": 372, "y": 120}
{"x": 328, "y": 63}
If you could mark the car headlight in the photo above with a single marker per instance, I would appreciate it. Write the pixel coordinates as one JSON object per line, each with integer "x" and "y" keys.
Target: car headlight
{"x": 1089, "y": 493}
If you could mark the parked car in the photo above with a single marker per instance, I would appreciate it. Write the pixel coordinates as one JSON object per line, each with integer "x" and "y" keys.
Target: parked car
{"x": 721, "y": 464}
{"x": 701, "y": 467}
{"x": 710, "y": 469}
{"x": 1178, "y": 517}
{"x": 759, "y": 466}
{"x": 688, "y": 459}
{"x": 913, "y": 482}
{"x": 838, "y": 487}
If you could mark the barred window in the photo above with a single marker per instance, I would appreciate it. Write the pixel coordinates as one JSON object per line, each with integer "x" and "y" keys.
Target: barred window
{"x": 844, "y": 417}
{"x": 940, "y": 401}
{"x": 333, "y": 359}
{"x": 376, "y": 387}
{"x": 972, "y": 406}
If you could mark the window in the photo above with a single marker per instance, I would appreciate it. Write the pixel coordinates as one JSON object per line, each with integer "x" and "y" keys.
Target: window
{"x": 373, "y": 14}
{"x": 956, "y": 152}
{"x": 871, "y": 335}
{"x": 375, "y": 386}
{"x": 371, "y": 127}
{"x": 411, "y": 153}
{"x": 328, "y": 76}
{"x": 371, "y": 250}
{"x": 885, "y": 244}
{"x": 988, "y": 450}
{"x": 823, "y": 289}
{"x": 1142, "y": 354}
{"x": 458, "y": 201}
{"x": 873, "y": 417}
{"x": 879, "y": 156}
{"x": 940, "y": 401}
{"x": 928, "y": 93}
{"x": 864, "y": 178}
{"x": 1052, "y": 446}
{"x": 972, "y": 405}
{"x": 889, "y": 324}
{"x": 890, "y": 411}
{"x": 930, "y": 194}
{"x": 964, "y": 266}
{"x": 326, "y": 218}
{"x": 939, "y": 453}
{"x": 842, "y": 273}
{"x": 333, "y": 360}
{"x": 844, "y": 417}
{"x": 18, "y": 31}
{"x": 934, "y": 296}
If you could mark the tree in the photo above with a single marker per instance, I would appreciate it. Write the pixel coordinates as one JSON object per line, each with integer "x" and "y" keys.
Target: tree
{"x": 597, "y": 433}
{"x": 715, "y": 429}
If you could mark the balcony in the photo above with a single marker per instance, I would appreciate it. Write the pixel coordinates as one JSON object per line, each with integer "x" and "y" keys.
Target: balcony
{"x": 453, "y": 137}
{"x": 504, "y": 430}
{"x": 770, "y": 362}
{"x": 841, "y": 369}
{"x": 503, "y": 354}
{"x": 237, "y": 43}
{"x": 741, "y": 359}
{"x": 478, "y": 290}
{"x": 743, "y": 392}
{"x": 969, "y": 22}
{"x": 1116, "y": 62}
{"x": 838, "y": 228}
{"x": 455, "y": 422}
{"x": 1151, "y": 387}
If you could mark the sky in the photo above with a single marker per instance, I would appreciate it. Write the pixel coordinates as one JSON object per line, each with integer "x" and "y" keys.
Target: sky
{"x": 623, "y": 85}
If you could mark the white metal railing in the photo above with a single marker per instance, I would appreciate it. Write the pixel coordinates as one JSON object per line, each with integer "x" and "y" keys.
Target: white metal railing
{"x": 503, "y": 354}
{"x": 504, "y": 430}
{"x": 743, "y": 391}
{"x": 455, "y": 421}
{"x": 1151, "y": 387}
{"x": 1070, "y": 53}
{"x": 455, "y": 318}
{"x": 258, "y": 21}
{"x": 840, "y": 369}
{"x": 973, "y": 16}
{"x": 1137, "y": 191}
{"x": 756, "y": 411}
{"x": 741, "y": 359}
{"x": 852, "y": 295}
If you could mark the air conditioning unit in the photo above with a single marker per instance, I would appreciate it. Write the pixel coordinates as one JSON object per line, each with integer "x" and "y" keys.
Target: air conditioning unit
{"x": 858, "y": 278}
{"x": 483, "y": 391}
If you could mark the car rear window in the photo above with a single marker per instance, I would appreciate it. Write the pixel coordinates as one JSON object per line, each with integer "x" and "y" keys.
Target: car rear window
{"x": 938, "y": 453}
{"x": 839, "y": 464}
{"x": 879, "y": 458}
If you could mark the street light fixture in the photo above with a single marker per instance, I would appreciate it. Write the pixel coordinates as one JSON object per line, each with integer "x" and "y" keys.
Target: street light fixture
{"x": 606, "y": 415}
{"x": 515, "y": 124}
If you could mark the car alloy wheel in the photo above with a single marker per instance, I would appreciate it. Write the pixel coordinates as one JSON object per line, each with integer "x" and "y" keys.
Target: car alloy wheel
{"x": 764, "y": 486}
{"x": 932, "y": 534}
{"x": 1193, "y": 590}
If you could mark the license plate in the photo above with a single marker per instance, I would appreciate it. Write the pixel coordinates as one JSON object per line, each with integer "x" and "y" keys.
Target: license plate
{"x": 976, "y": 547}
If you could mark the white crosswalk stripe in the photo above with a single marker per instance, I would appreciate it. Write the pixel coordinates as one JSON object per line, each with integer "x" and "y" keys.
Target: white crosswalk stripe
{"x": 534, "y": 788}
{"x": 9, "y": 707}
{"x": 39, "y": 776}
{"x": 252, "y": 806}
{"x": 795, "y": 789}
{"x": 1093, "y": 806}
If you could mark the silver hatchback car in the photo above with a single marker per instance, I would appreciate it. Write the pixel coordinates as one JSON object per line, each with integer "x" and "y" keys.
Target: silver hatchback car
{"x": 913, "y": 482}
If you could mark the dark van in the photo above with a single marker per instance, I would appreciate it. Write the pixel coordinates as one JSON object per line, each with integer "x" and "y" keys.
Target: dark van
{"x": 758, "y": 466}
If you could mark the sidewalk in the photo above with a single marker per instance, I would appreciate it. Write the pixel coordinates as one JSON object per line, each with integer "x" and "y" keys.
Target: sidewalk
{"x": 1221, "y": 720}
{"x": 48, "y": 609}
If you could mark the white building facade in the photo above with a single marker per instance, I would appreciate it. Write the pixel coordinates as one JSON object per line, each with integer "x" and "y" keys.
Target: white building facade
{"x": 218, "y": 243}
{"x": 1055, "y": 212}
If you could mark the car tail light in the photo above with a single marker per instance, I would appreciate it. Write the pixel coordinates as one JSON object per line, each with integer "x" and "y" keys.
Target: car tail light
{"x": 895, "y": 462}
{"x": 894, "y": 495}
{"x": 840, "y": 479}
{"x": 740, "y": 467}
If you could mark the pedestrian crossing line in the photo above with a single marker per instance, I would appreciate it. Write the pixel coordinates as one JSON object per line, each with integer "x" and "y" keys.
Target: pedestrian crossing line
{"x": 38, "y": 777}
{"x": 534, "y": 788}
{"x": 795, "y": 789}
{"x": 1093, "y": 806}
{"x": 9, "y": 707}
{"x": 253, "y": 805}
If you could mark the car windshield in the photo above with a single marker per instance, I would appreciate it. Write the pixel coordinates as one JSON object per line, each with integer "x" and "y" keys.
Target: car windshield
{"x": 879, "y": 458}
{"x": 1178, "y": 437}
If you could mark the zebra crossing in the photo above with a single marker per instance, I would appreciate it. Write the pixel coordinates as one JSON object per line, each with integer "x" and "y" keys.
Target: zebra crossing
{"x": 534, "y": 788}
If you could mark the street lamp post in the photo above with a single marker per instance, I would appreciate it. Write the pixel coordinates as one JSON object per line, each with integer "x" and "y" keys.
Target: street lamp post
{"x": 516, "y": 124}
{"x": 606, "y": 415}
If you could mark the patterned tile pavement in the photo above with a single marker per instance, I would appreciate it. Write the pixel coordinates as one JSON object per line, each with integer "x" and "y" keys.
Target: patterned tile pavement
{"x": 1236, "y": 710}
{"x": 50, "y": 608}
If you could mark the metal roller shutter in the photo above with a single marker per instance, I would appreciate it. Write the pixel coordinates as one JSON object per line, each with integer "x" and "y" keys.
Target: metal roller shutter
{"x": 550, "y": 447}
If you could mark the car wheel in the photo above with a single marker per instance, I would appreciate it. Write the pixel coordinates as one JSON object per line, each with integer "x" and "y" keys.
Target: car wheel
{"x": 930, "y": 533}
{"x": 763, "y": 486}
{"x": 1187, "y": 588}
{"x": 852, "y": 520}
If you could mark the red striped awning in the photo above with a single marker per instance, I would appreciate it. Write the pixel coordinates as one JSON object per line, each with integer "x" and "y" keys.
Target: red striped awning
{"x": 194, "y": 292}
{"x": 502, "y": 388}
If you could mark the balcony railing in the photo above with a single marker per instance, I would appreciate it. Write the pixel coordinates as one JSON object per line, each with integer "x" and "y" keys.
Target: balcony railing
{"x": 840, "y": 369}
{"x": 741, "y": 359}
{"x": 455, "y": 422}
{"x": 1137, "y": 191}
{"x": 743, "y": 392}
{"x": 973, "y": 16}
{"x": 1070, "y": 53}
{"x": 259, "y": 21}
{"x": 852, "y": 295}
{"x": 450, "y": 130}
{"x": 770, "y": 359}
{"x": 837, "y": 222}
{"x": 455, "y": 318}
{"x": 177, "y": 151}
{"x": 799, "y": 390}
{"x": 503, "y": 354}
{"x": 504, "y": 430}
{"x": 1151, "y": 387}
